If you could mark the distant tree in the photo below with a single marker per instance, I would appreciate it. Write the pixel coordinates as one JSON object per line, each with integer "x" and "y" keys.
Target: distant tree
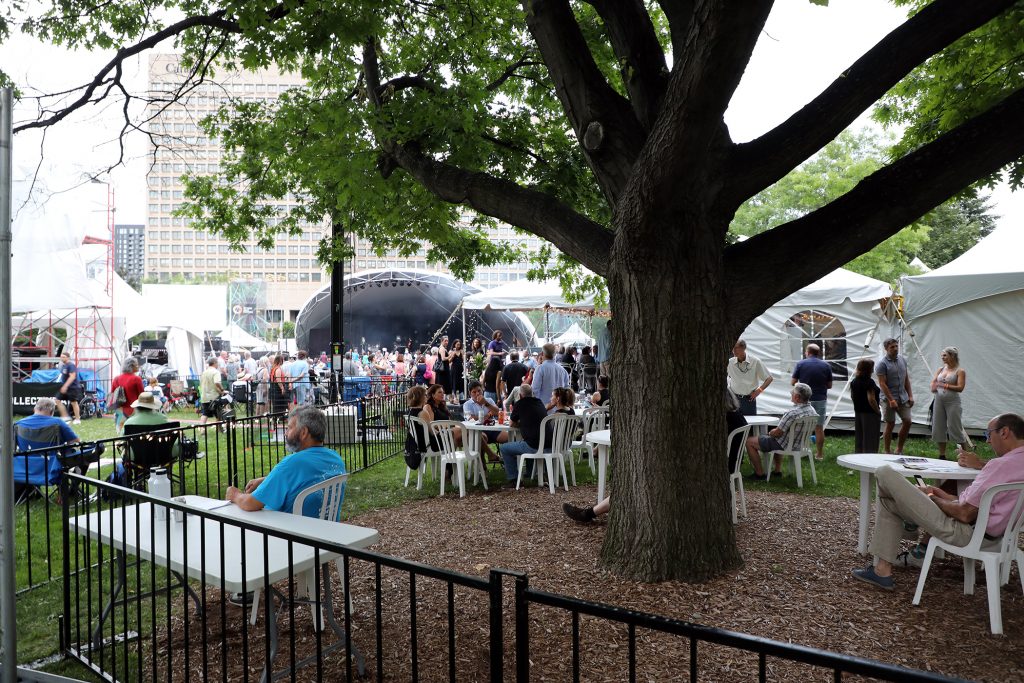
{"x": 288, "y": 330}
{"x": 955, "y": 227}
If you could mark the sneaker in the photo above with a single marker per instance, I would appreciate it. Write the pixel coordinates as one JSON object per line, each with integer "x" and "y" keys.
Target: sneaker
{"x": 584, "y": 515}
{"x": 908, "y": 559}
{"x": 76, "y": 422}
{"x": 757, "y": 477}
{"x": 868, "y": 575}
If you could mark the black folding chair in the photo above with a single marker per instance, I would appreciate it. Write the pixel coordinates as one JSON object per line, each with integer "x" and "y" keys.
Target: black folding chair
{"x": 150, "y": 447}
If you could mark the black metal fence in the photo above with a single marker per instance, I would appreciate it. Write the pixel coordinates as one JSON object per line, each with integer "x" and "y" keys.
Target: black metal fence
{"x": 208, "y": 458}
{"x": 149, "y": 600}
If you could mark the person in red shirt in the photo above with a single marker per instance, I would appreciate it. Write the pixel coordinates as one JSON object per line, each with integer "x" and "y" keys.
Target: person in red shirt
{"x": 130, "y": 381}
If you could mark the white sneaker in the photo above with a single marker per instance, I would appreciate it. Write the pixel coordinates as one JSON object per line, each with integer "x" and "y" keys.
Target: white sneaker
{"x": 76, "y": 422}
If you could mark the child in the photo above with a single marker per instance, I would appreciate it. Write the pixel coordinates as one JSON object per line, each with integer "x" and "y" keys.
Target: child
{"x": 154, "y": 388}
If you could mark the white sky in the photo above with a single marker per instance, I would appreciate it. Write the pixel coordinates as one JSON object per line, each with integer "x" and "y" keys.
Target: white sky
{"x": 802, "y": 49}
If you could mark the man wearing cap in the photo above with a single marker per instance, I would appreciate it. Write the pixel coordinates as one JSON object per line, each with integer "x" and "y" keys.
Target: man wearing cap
{"x": 147, "y": 412}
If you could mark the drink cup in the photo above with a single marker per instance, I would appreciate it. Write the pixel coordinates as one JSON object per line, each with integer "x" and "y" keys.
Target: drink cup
{"x": 178, "y": 515}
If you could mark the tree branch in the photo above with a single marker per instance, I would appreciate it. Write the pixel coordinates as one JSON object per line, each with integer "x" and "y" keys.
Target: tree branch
{"x": 680, "y": 16}
{"x": 603, "y": 120}
{"x": 537, "y": 212}
{"x": 761, "y": 162}
{"x": 511, "y": 71}
{"x": 215, "y": 20}
{"x": 877, "y": 208}
{"x": 641, "y": 60}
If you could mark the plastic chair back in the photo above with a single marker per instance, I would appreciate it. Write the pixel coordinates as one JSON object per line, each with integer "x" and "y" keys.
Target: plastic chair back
{"x": 563, "y": 428}
{"x": 736, "y": 439}
{"x": 419, "y": 431}
{"x": 799, "y": 436}
{"x": 332, "y": 494}
{"x": 444, "y": 432}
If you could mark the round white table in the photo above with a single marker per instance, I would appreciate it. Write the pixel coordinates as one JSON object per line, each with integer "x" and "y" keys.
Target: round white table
{"x": 761, "y": 420}
{"x": 928, "y": 468}
{"x": 473, "y": 429}
{"x": 603, "y": 440}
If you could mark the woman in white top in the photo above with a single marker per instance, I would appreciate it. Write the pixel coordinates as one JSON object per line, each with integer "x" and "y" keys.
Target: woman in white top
{"x": 947, "y": 385}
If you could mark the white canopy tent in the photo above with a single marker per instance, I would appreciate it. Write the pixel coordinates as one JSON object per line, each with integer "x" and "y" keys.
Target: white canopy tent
{"x": 574, "y": 336}
{"x": 976, "y": 303}
{"x": 525, "y": 295}
{"x": 240, "y": 339}
{"x": 842, "y": 312}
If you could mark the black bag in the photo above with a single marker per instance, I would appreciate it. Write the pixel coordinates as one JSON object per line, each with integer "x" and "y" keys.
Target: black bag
{"x": 116, "y": 399}
{"x": 413, "y": 457}
{"x": 438, "y": 366}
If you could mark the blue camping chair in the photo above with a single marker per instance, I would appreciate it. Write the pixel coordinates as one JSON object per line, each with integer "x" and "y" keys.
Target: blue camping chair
{"x": 48, "y": 457}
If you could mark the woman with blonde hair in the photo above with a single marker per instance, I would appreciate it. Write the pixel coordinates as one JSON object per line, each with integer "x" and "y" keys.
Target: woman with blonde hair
{"x": 949, "y": 382}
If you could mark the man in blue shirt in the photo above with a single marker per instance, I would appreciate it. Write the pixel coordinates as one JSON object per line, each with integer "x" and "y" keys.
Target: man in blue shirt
{"x": 70, "y": 388}
{"x": 298, "y": 370}
{"x": 817, "y": 374}
{"x": 309, "y": 463}
{"x": 39, "y": 430}
{"x": 548, "y": 377}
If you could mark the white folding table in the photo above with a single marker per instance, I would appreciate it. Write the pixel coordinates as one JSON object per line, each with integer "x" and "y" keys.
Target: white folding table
{"x": 210, "y": 550}
{"x": 867, "y": 463}
{"x": 603, "y": 440}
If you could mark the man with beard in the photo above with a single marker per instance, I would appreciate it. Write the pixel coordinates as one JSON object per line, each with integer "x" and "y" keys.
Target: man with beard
{"x": 309, "y": 463}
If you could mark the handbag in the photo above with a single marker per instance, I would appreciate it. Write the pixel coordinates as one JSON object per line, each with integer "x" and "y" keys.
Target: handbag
{"x": 438, "y": 366}
{"x": 116, "y": 398}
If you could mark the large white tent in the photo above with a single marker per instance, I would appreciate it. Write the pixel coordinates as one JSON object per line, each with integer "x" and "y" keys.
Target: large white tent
{"x": 525, "y": 295}
{"x": 240, "y": 339}
{"x": 975, "y": 303}
{"x": 843, "y": 312}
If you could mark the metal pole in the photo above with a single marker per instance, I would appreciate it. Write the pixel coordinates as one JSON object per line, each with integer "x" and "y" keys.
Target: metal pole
{"x": 337, "y": 312}
{"x": 465, "y": 354}
{"x": 8, "y": 639}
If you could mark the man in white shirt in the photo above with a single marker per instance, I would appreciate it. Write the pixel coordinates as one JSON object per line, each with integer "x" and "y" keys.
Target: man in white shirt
{"x": 748, "y": 378}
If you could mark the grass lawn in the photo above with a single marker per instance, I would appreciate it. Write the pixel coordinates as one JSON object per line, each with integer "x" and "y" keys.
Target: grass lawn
{"x": 376, "y": 488}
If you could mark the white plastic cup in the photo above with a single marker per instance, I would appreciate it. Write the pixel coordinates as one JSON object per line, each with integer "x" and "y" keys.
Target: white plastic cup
{"x": 178, "y": 515}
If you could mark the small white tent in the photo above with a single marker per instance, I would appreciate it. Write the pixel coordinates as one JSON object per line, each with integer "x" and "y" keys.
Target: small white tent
{"x": 842, "y": 312}
{"x": 525, "y": 295}
{"x": 975, "y": 303}
{"x": 240, "y": 339}
{"x": 574, "y": 336}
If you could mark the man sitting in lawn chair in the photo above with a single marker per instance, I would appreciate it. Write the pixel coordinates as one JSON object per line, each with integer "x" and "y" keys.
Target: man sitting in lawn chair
{"x": 41, "y": 430}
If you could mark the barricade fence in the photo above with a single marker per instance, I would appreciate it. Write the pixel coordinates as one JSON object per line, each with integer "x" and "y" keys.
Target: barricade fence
{"x": 204, "y": 460}
{"x": 149, "y": 598}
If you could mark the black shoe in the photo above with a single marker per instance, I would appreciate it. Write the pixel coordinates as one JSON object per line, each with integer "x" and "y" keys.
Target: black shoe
{"x": 757, "y": 477}
{"x": 584, "y": 515}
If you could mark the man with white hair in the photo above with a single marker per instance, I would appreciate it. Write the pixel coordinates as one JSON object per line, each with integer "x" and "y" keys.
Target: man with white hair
{"x": 801, "y": 396}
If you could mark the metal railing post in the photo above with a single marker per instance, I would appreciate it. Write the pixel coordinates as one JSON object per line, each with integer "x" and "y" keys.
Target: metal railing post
{"x": 363, "y": 421}
{"x": 497, "y": 637}
{"x": 522, "y": 630}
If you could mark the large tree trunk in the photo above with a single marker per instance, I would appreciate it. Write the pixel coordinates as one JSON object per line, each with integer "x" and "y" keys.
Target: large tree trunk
{"x": 670, "y": 516}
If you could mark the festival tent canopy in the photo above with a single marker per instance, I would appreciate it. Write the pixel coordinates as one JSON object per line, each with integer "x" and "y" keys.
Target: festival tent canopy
{"x": 574, "y": 336}
{"x": 525, "y": 295}
{"x": 842, "y": 312}
{"x": 241, "y": 339}
{"x": 975, "y": 303}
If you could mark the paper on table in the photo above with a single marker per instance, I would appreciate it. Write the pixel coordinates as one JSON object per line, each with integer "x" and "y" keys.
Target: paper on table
{"x": 207, "y": 503}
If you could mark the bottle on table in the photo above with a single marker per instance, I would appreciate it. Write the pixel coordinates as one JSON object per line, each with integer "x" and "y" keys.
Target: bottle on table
{"x": 159, "y": 485}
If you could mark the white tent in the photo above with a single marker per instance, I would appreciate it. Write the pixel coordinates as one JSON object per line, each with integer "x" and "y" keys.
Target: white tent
{"x": 240, "y": 339}
{"x": 574, "y": 336}
{"x": 976, "y": 303}
{"x": 842, "y": 312}
{"x": 525, "y": 295}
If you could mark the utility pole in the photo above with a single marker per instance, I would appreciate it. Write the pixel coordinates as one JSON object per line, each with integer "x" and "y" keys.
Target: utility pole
{"x": 337, "y": 310}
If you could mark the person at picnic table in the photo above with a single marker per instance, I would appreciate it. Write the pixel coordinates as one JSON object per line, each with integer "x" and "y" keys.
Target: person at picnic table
{"x": 941, "y": 514}
{"x": 527, "y": 415}
{"x": 482, "y": 409}
{"x": 800, "y": 395}
{"x": 308, "y": 464}
{"x": 748, "y": 377}
{"x": 548, "y": 377}
{"x": 894, "y": 380}
{"x": 817, "y": 374}
{"x": 436, "y": 409}
{"x": 603, "y": 393}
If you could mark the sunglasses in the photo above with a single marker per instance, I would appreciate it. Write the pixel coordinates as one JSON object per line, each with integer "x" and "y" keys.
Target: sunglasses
{"x": 988, "y": 432}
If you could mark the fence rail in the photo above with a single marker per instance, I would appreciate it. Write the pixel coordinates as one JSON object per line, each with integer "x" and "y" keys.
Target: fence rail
{"x": 143, "y": 603}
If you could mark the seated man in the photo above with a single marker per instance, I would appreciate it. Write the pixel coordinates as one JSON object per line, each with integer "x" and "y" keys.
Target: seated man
{"x": 800, "y": 396}
{"x": 309, "y": 463}
{"x": 527, "y": 415}
{"x": 942, "y": 514}
{"x": 39, "y": 430}
{"x": 481, "y": 408}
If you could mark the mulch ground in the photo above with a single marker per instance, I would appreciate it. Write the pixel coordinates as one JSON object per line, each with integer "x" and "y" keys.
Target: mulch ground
{"x": 795, "y": 587}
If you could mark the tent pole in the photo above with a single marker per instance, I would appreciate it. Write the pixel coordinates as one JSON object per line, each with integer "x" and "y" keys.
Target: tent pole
{"x": 8, "y": 634}
{"x": 465, "y": 355}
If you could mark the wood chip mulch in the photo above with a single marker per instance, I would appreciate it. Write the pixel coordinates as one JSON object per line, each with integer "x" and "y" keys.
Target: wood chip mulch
{"x": 795, "y": 587}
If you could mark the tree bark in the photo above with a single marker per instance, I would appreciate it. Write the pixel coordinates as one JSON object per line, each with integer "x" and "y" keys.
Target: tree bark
{"x": 670, "y": 516}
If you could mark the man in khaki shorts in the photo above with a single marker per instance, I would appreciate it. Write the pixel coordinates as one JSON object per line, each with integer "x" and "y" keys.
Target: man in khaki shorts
{"x": 894, "y": 380}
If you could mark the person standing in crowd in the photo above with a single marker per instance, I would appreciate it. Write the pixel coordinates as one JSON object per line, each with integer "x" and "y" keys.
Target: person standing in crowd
{"x": 280, "y": 393}
{"x": 894, "y": 381}
{"x": 210, "y": 389}
{"x": 443, "y": 376}
{"x": 249, "y": 365}
{"x": 549, "y": 376}
{"x": 817, "y": 374}
{"x": 457, "y": 361}
{"x": 603, "y": 394}
{"x": 231, "y": 369}
{"x": 262, "y": 379}
{"x": 401, "y": 367}
{"x": 298, "y": 371}
{"x": 513, "y": 374}
{"x": 603, "y": 349}
{"x": 130, "y": 381}
{"x": 497, "y": 347}
{"x": 949, "y": 382}
{"x": 222, "y": 364}
{"x": 70, "y": 388}
{"x": 748, "y": 378}
{"x": 420, "y": 375}
{"x": 349, "y": 368}
{"x": 866, "y": 409}
{"x": 492, "y": 379}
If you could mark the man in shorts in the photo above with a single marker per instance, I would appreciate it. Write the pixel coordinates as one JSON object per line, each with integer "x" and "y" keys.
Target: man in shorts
{"x": 894, "y": 380}
{"x": 70, "y": 388}
{"x": 210, "y": 390}
{"x": 773, "y": 440}
{"x": 817, "y": 374}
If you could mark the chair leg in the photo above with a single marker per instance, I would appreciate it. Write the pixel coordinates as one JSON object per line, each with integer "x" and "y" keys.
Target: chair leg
{"x": 519, "y": 479}
{"x": 255, "y": 605}
{"x": 408, "y": 471}
{"x": 565, "y": 479}
{"x": 460, "y": 472}
{"x": 549, "y": 465}
{"x": 732, "y": 499}
{"x": 743, "y": 498}
{"x": 572, "y": 469}
{"x": 814, "y": 475}
{"x": 444, "y": 472}
{"x": 969, "y": 576}
{"x": 995, "y": 607}
{"x": 925, "y": 566}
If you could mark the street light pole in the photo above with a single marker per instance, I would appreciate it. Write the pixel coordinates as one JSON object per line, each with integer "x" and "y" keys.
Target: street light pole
{"x": 337, "y": 311}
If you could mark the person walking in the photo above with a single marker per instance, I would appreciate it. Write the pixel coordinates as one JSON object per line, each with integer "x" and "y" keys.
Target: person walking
{"x": 949, "y": 382}
{"x": 130, "y": 381}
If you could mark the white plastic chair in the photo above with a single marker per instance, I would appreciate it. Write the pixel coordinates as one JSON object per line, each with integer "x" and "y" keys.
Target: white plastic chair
{"x": 797, "y": 444}
{"x": 594, "y": 420}
{"x": 330, "y": 509}
{"x": 996, "y": 554}
{"x": 421, "y": 432}
{"x": 735, "y": 477}
{"x": 559, "y": 447}
{"x": 461, "y": 460}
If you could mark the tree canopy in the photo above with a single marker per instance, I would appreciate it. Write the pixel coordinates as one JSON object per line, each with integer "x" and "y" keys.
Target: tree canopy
{"x": 598, "y": 126}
